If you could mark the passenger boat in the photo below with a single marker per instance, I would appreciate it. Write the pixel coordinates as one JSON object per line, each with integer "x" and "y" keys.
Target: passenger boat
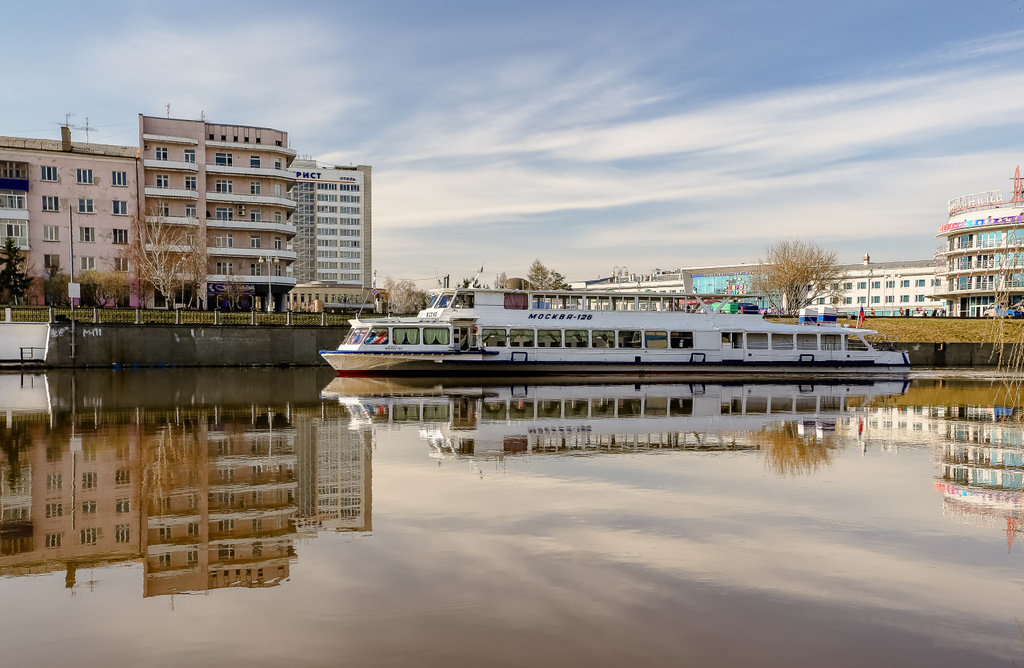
{"x": 510, "y": 332}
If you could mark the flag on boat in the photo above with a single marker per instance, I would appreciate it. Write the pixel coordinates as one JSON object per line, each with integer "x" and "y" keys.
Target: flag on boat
{"x": 860, "y": 317}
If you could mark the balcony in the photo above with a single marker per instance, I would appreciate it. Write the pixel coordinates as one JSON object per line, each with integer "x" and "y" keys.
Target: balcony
{"x": 254, "y": 254}
{"x": 170, "y": 140}
{"x": 236, "y": 198}
{"x": 255, "y": 148}
{"x": 266, "y": 172}
{"x": 286, "y": 281}
{"x": 170, "y": 165}
{"x": 173, "y": 193}
{"x": 172, "y": 220}
{"x": 252, "y": 225}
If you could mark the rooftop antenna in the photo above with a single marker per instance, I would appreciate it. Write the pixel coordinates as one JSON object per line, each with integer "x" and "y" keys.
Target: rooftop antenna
{"x": 202, "y": 115}
{"x": 476, "y": 283}
{"x": 86, "y": 127}
{"x": 167, "y": 107}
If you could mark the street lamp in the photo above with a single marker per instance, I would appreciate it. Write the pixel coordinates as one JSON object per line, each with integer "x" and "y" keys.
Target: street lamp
{"x": 270, "y": 293}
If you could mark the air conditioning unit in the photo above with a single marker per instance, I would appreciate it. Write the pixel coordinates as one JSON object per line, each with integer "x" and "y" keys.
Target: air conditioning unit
{"x": 241, "y": 209}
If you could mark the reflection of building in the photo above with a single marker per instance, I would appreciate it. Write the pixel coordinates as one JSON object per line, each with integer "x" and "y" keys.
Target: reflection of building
{"x": 203, "y": 496}
{"x": 68, "y": 499}
{"x": 220, "y": 508}
{"x": 335, "y": 459}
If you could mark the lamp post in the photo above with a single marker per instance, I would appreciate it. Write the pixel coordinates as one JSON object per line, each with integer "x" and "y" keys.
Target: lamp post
{"x": 270, "y": 293}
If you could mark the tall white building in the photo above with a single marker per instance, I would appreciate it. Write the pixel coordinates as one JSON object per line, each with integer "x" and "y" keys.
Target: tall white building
{"x": 333, "y": 224}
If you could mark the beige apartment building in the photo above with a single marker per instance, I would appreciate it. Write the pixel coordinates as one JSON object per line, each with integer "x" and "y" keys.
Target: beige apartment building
{"x": 229, "y": 185}
{"x": 68, "y": 205}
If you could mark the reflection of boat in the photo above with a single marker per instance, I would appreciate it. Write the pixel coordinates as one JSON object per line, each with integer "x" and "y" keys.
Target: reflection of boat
{"x": 514, "y": 418}
{"x": 519, "y": 332}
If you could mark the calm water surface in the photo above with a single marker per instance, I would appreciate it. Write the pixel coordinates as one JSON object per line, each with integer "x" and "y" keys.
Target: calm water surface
{"x": 283, "y": 517}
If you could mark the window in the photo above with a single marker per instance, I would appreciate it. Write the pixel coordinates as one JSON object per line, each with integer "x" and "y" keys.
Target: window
{"x": 436, "y": 336}
{"x": 120, "y": 236}
{"x": 88, "y": 507}
{"x": 54, "y": 509}
{"x": 190, "y": 210}
{"x": 163, "y": 209}
{"x": 123, "y": 505}
{"x": 224, "y": 241}
{"x": 629, "y": 338}
{"x": 88, "y": 263}
{"x": 918, "y": 298}
{"x": 164, "y": 560}
{"x": 876, "y": 300}
{"x": 51, "y": 233}
{"x": 119, "y": 178}
{"x": 904, "y": 299}
{"x": 222, "y": 159}
{"x": 53, "y": 481}
{"x": 520, "y": 338}
{"x": 255, "y": 216}
{"x": 193, "y": 528}
{"x": 89, "y": 536}
{"x": 190, "y": 183}
{"x": 255, "y": 269}
{"x": 54, "y": 539}
{"x": 254, "y": 161}
{"x": 848, "y": 286}
{"x": 407, "y": 336}
{"x": 49, "y": 173}
{"x": 862, "y": 285}
{"x": 224, "y": 185}
{"x": 549, "y": 338}
{"x": 919, "y": 283}
{"x": 193, "y": 557}
{"x": 190, "y": 156}
{"x": 87, "y": 234}
{"x": 224, "y": 268}
{"x": 122, "y": 476}
{"x": 890, "y": 284}
{"x": 889, "y": 299}
{"x": 84, "y": 176}
{"x": 254, "y": 241}
{"x": 277, "y": 164}
{"x": 120, "y": 208}
{"x": 165, "y": 533}
{"x": 225, "y": 213}
{"x": 603, "y": 338}
{"x": 163, "y": 181}
{"x": 122, "y": 533}
{"x": 85, "y": 205}
{"x": 681, "y": 339}
{"x": 50, "y": 203}
{"x": 254, "y": 187}
{"x": 656, "y": 339}
{"x": 161, "y": 152}
{"x": 121, "y": 264}
{"x": 905, "y": 283}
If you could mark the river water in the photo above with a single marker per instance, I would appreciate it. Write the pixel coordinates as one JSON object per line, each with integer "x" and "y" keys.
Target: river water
{"x": 284, "y": 517}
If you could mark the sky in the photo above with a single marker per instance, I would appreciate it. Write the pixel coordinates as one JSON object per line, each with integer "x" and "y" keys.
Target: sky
{"x": 589, "y": 135}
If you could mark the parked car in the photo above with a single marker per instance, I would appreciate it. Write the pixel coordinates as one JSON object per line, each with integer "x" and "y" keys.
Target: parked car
{"x": 1001, "y": 312}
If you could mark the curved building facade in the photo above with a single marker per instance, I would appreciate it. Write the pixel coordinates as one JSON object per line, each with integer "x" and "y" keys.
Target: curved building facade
{"x": 982, "y": 251}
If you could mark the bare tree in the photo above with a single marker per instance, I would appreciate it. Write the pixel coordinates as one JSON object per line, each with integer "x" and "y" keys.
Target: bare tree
{"x": 795, "y": 273}
{"x": 404, "y": 296}
{"x": 166, "y": 257}
{"x": 542, "y": 278}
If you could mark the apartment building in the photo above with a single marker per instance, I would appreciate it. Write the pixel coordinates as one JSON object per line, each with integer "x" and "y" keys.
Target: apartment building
{"x": 68, "y": 205}
{"x": 229, "y": 186}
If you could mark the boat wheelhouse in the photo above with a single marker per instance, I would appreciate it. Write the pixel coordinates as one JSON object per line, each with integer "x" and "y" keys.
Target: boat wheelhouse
{"x": 509, "y": 332}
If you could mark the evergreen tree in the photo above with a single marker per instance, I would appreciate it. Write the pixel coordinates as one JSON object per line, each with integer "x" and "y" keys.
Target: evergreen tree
{"x": 14, "y": 279}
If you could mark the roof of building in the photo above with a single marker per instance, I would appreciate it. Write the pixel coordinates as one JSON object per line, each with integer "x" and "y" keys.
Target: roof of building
{"x": 77, "y": 147}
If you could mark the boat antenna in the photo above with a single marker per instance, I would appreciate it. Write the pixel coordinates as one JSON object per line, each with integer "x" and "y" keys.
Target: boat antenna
{"x": 476, "y": 279}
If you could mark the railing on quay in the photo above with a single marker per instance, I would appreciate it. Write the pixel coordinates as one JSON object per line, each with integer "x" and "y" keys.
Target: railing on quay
{"x": 138, "y": 316}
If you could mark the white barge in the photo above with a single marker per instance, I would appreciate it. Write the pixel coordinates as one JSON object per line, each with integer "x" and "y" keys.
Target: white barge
{"x": 515, "y": 333}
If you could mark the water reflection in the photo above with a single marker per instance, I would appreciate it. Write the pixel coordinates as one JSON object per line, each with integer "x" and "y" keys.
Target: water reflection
{"x": 793, "y": 424}
{"x": 206, "y": 494}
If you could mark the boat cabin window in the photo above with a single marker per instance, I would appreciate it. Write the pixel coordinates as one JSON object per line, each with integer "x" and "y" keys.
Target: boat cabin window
{"x": 517, "y": 300}
{"x": 356, "y": 336}
{"x": 495, "y": 338}
{"x": 735, "y": 340}
{"x": 603, "y": 338}
{"x": 782, "y": 341}
{"x": 757, "y": 341}
{"x": 521, "y": 338}
{"x": 441, "y": 301}
{"x": 406, "y": 336}
{"x": 629, "y": 338}
{"x": 681, "y": 339}
{"x": 856, "y": 343}
{"x": 464, "y": 300}
{"x": 577, "y": 338}
{"x": 377, "y": 336}
{"x": 807, "y": 341}
{"x": 436, "y": 336}
{"x": 831, "y": 342}
{"x": 549, "y": 338}
{"x": 656, "y": 340}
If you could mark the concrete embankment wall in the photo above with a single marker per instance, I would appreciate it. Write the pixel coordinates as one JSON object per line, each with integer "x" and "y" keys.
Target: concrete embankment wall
{"x": 107, "y": 345}
{"x": 953, "y": 354}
